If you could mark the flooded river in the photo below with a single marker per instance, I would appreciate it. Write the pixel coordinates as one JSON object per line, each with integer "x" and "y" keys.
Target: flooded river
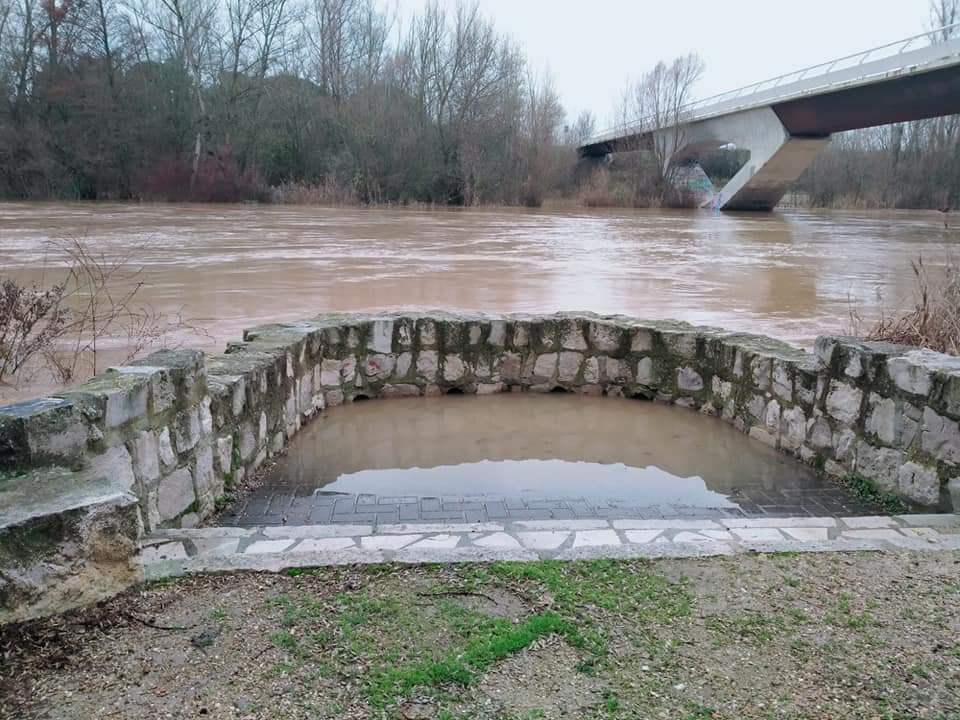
{"x": 788, "y": 274}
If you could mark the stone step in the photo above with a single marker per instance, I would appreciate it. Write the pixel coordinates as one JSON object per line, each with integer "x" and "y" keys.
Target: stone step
{"x": 67, "y": 539}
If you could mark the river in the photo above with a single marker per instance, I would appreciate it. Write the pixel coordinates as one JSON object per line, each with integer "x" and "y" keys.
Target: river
{"x": 789, "y": 274}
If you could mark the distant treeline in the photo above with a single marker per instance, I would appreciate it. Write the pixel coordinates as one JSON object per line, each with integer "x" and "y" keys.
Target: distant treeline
{"x": 342, "y": 101}
{"x": 328, "y": 100}
{"x": 910, "y": 165}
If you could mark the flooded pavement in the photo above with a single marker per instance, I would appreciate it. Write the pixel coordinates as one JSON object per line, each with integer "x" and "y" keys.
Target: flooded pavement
{"x": 530, "y": 456}
{"x": 791, "y": 275}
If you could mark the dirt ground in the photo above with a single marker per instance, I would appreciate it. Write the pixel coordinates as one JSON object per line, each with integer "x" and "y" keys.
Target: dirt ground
{"x": 871, "y": 635}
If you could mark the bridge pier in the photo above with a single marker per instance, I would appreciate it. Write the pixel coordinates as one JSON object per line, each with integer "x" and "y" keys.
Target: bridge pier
{"x": 777, "y": 158}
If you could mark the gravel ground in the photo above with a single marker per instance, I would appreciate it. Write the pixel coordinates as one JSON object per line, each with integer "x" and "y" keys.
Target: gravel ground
{"x": 872, "y": 635}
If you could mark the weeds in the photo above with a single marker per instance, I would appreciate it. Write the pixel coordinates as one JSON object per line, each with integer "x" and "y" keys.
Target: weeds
{"x": 934, "y": 320}
{"x": 61, "y": 329}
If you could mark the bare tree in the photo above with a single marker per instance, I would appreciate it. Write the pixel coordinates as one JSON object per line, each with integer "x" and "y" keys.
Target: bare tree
{"x": 659, "y": 100}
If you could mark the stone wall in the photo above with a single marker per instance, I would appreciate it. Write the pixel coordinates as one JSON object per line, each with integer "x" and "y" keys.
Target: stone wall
{"x": 167, "y": 436}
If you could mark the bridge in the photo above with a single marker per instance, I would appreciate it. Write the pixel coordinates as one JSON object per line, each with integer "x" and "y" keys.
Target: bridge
{"x": 784, "y": 122}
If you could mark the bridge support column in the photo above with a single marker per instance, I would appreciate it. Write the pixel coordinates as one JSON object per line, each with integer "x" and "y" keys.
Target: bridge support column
{"x": 768, "y": 174}
{"x": 777, "y": 158}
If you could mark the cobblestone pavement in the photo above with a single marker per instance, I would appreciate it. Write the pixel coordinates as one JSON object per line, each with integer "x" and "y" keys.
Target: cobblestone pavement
{"x": 273, "y": 548}
{"x": 286, "y": 506}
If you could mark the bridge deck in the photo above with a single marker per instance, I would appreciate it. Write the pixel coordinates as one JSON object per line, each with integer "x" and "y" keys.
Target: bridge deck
{"x": 893, "y": 83}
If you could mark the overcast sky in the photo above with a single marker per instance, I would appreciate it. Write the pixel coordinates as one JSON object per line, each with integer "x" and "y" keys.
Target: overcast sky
{"x": 591, "y": 47}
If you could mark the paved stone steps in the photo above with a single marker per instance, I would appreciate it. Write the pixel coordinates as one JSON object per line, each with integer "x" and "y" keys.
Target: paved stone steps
{"x": 273, "y": 548}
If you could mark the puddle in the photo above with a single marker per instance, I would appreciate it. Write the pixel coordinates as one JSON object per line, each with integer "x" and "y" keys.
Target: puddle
{"x": 534, "y": 446}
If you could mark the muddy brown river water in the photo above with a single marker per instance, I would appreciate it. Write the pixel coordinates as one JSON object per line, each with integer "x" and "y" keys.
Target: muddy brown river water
{"x": 527, "y": 456}
{"x": 792, "y": 275}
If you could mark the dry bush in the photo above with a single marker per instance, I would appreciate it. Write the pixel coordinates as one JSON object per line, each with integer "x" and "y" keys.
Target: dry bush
{"x": 31, "y": 319}
{"x": 62, "y": 330}
{"x": 326, "y": 192}
{"x": 934, "y": 320}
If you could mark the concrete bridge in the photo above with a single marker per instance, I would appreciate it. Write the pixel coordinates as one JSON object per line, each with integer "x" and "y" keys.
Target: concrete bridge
{"x": 786, "y": 121}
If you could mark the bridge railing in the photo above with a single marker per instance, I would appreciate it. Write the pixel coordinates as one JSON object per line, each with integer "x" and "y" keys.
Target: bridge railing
{"x": 767, "y": 88}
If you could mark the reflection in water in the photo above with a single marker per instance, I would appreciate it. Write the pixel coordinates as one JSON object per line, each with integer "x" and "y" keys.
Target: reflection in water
{"x": 546, "y": 446}
{"x": 790, "y": 275}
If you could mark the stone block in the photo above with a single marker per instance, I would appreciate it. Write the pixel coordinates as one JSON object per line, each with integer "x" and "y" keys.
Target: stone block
{"x": 175, "y": 494}
{"x": 520, "y": 336}
{"x": 379, "y": 367}
{"x": 167, "y": 456}
{"x": 42, "y": 431}
{"x": 641, "y": 340}
{"x": 765, "y": 436}
{"x": 348, "y": 369}
{"x": 912, "y": 372}
{"x": 771, "y": 416}
{"x": 381, "y": 337}
{"x": 224, "y": 455}
{"x": 605, "y": 337}
{"x": 428, "y": 365}
{"x": 591, "y": 371}
{"x": 881, "y": 465}
{"x": 819, "y": 433}
{"x": 427, "y": 332}
{"x": 757, "y": 406}
{"x": 783, "y": 380}
{"x": 399, "y": 390}
{"x": 845, "y": 446}
{"x": 404, "y": 363}
{"x": 919, "y": 483}
{"x": 546, "y": 365}
{"x": 645, "y": 372}
{"x": 794, "y": 428}
{"x": 940, "y": 437}
{"x": 569, "y": 366}
{"x": 330, "y": 373}
{"x": 474, "y": 334}
{"x": 761, "y": 370}
{"x": 187, "y": 430}
{"x": 512, "y": 366}
{"x": 572, "y": 336}
{"x": 454, "y": 369}
{"x": 67, "y": 552}
{"x": 844, "y": 402}
{"x": 206, "y": 485}
{"x": 615, "y": 371}
{"x": 722, "y": 390}
{"x": 682, "y": 345}
{"x": 953, "y": 492}
{"x": 689, "y": 380}
{"x": 114, "y": 398}
{"x": 498, "y": 333}
{"x": 146, "y": 455}
{"x": 249, "y": 444}
{"x": 883, "y": 419}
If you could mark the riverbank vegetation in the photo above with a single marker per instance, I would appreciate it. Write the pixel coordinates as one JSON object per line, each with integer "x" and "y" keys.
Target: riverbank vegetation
{"x": 328, "y": 100}
{"x": 347, "y": 102}
{"x": 59, "y": 330}
{"x": 932, "y": 319}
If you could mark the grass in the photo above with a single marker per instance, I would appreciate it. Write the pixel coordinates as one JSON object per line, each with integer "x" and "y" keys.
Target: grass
{"x": 405, "y": 649}
{"x": 864, "y": 488}
{"x": 463, "y": 667}
{"x": 773, "y": 636}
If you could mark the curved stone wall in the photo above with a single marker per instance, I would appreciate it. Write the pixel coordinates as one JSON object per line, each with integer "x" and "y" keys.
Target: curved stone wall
{"x": 169, "y": 435}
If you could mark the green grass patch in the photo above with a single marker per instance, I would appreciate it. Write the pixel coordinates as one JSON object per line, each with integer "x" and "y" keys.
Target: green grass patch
{"x": 502, "y": 640}
{"x": 864, "y": 488}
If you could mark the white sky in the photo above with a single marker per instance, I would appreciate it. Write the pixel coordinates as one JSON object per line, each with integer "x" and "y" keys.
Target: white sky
{"x": 592, "y": 47}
